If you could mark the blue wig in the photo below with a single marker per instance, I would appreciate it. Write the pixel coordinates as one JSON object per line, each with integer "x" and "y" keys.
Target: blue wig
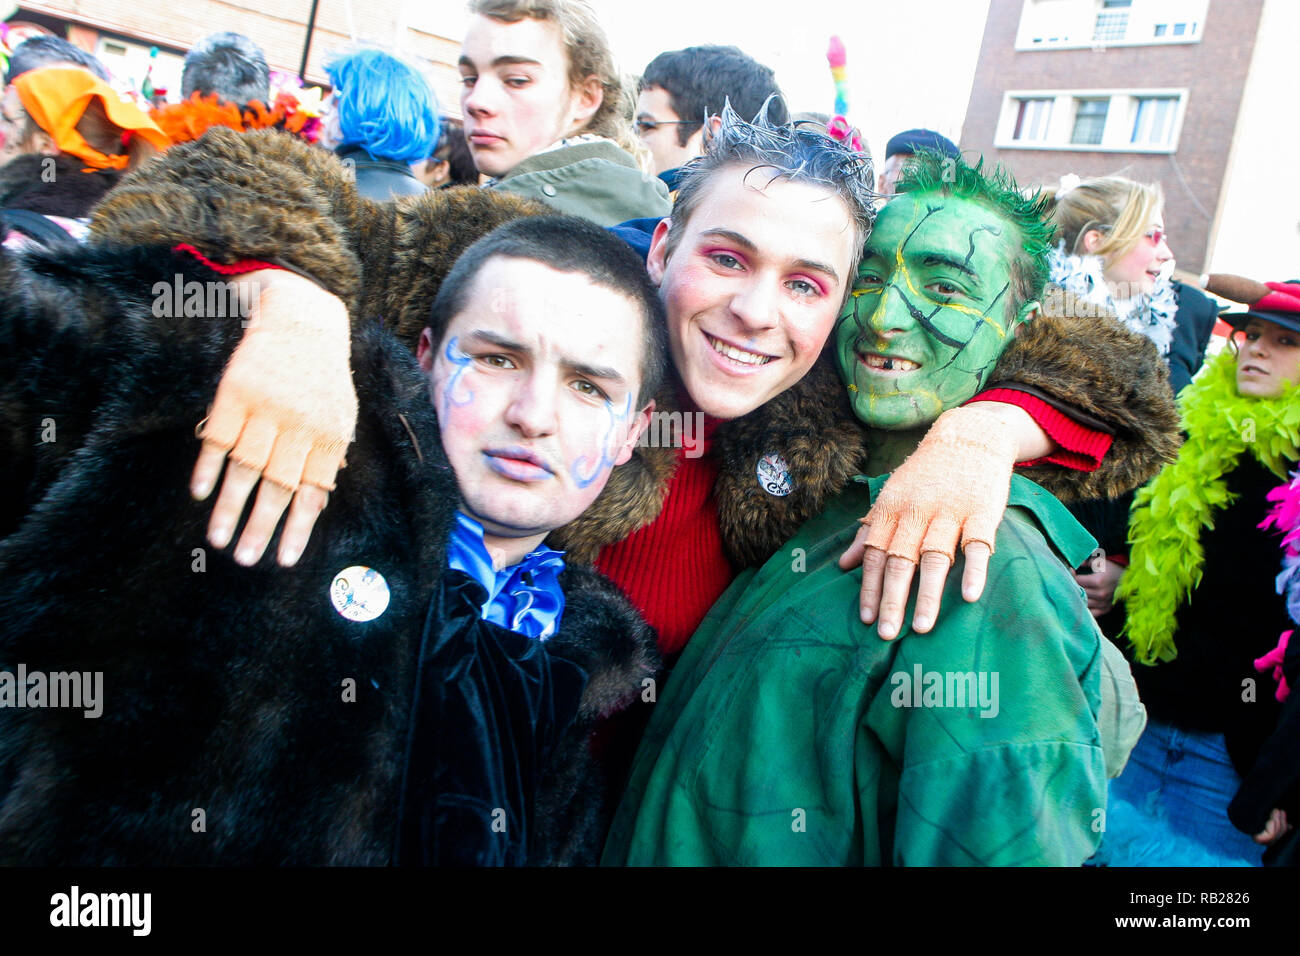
{"x": 384, "y": 105}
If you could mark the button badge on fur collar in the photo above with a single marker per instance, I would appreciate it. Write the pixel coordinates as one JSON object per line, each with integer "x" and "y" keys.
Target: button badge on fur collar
{"x": 359, "y": 593}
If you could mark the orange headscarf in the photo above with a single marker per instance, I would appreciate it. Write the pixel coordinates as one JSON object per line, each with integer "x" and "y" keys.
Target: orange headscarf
{"x": 56, "y": 98}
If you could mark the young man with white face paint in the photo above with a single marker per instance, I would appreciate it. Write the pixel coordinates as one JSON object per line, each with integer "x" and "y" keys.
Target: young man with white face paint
{"x": 537, "y": 379}
{"x": 544, "y": 352}
{"x": 427, "y": 598}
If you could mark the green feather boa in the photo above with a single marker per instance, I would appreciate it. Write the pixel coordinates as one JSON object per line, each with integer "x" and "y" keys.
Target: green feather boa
{"x": 1166, "y": 557}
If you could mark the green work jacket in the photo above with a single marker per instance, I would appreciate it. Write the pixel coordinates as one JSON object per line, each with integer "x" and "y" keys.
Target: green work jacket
{"x": 790, "y": 734}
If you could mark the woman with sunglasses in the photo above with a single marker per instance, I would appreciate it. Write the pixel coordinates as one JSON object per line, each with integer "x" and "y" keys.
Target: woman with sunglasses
{"x": 1113, "y": 253}
{"x": 1199, "y": 599}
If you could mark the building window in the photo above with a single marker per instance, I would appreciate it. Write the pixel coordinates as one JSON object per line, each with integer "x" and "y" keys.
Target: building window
{"x": 1032, "y": 117}
{"x": 1078, "y": 24}
{"x": 1112, "y": 21}
{"x": 1089, "y": 121}
{"x": 1171, "y": 30}
{"x": 1153, "y": 122}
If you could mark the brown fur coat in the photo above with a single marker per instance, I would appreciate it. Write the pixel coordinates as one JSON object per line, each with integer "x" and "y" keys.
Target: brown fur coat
{"x": 268, "y": 196}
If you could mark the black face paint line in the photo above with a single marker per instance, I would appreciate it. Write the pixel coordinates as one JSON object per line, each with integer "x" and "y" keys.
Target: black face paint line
{"x": 970, "y": 252}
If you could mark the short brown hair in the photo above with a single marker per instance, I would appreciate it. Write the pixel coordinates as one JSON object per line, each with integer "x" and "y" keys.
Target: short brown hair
{"x": 566, "y": 244}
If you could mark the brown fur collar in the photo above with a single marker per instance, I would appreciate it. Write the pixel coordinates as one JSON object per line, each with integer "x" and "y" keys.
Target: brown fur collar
{"x": 268, "y": 195}
{"x": 432, "y": 230}
{"x": 1094, "y": 364}
{"x": 262, "y": 195}
{"x": 812, "y": 428}
{"x": 1091, "y": 363}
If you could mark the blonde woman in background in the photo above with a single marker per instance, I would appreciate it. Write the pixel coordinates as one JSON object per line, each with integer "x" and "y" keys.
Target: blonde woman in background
{"x": 1113, "y": 252}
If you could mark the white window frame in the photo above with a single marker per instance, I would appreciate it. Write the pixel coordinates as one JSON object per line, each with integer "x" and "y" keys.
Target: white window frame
{"x": 1078, "y": 108}
{"x": 1120, "y": 118}
{"x": 1020, "y": 104}
{"x": 1171, "y": 117}
{"x": 1078, "y": 19}
{"x": 1104, "y": 9}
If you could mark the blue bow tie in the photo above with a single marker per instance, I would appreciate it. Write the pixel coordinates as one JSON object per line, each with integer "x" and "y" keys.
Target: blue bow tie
{"x": 525, "y": 597}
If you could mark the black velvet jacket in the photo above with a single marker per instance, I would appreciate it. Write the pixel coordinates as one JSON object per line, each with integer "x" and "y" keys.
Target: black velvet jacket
{"x": 244, "y": 720}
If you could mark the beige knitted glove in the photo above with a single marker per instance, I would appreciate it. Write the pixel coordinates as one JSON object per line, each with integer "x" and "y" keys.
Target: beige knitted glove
{"x": 953, "y": 488}
{"x": 285, "y": 405}
{"x": 285, "y": 410}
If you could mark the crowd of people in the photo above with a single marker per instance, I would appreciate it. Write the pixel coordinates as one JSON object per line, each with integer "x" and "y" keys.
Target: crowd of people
{"x": 573, "y": 482}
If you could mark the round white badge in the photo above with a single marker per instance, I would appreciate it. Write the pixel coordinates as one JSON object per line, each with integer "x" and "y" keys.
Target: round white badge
{"x": 359, "y": 593}
{"x": 774, "y": 475}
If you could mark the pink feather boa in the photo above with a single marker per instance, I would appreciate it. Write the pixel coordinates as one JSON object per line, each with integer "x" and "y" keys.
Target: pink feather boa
{"x": 1285, "y": 517}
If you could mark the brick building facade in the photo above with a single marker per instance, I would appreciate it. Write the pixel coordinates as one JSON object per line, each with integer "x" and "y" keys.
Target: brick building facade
{"x": 1149, "y": 89}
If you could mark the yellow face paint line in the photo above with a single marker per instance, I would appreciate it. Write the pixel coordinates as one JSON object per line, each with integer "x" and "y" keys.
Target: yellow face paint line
{"x": 900, "y": 267}
{"x": 955, "y": 306}
{"x": 967, "y": 310}
{"x": 898, "y": 253}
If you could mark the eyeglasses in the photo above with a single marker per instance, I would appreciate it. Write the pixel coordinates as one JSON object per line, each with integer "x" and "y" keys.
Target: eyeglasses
{"x": 1157, "y": 236}
{"x": 644, "y": 126}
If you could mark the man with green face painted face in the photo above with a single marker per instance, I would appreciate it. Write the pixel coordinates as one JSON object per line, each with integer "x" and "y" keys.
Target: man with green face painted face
{"x": 790, "y": 734}
{"x": 929, "y": 314}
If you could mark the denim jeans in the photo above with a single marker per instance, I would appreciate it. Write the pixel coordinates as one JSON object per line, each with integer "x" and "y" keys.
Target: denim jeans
{"x": 1186, "y": 778}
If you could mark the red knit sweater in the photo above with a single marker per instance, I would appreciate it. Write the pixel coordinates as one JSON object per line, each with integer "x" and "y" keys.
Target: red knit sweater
{"x": 674, "y": 569}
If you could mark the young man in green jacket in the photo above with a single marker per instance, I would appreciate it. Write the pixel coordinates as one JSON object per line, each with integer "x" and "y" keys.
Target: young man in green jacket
{"x": 790, "y": 734}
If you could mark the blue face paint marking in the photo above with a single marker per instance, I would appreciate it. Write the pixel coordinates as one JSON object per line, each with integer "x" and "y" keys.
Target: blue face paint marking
{"x": 456, "y": 357}
{"x": 579, "y": 469}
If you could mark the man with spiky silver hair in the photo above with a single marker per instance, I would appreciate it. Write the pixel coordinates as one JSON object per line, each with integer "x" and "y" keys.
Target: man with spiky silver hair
{"x": 230, "y": 65}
